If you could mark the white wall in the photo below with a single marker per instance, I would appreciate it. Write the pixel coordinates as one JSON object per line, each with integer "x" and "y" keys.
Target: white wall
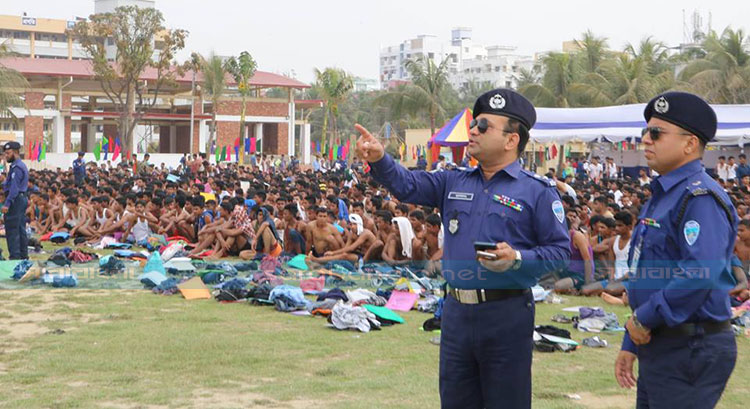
{"x": 65, "y": 160}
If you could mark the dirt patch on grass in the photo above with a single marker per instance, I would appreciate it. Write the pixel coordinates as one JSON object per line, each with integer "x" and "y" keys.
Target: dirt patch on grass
{"x": 592, "y": 401}
{"x": 246, "y": 399}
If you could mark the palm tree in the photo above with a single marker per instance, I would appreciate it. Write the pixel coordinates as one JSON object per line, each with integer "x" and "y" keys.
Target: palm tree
{"x": 629, "y": 79}
{"x": 9, "y": 79}
{"x": 214, "y": 85}
{"x": 429, "y": 92}
{"x": 242, "y": 69}
{"x": 653, "y": 53}
{"x": 722, "y": 77}
{"x": 564, "y": 84}
{"x": 593, "y": 51}
{"x": 334, "y": 86}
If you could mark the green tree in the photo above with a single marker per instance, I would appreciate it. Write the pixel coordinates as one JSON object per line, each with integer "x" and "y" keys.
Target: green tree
{"x": 723, "y": 77}
{"x": 425, "y": 94}
{"x": 593, "y": 51}
{"x": 134, "y": 32}
{"x": 565, "y": 84}
{"x": 654, "y": 54}
{"x": 214, "y": 86}
{"x": 242, "y": 69}
{"x": 10, "y": 82}
{"x": 333, "y": 86}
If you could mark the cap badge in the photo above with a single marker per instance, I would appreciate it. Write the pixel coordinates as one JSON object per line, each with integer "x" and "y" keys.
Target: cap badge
{"x": 497, "y": 102}
{"x": 661, "y": 106}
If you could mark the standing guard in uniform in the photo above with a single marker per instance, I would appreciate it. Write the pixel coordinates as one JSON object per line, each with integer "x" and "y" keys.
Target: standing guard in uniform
{"x": 680, "y": 256}
{"x": 488, "y": 316}
{"x": 16, "y": 202}
{"x": 79, "y": 169}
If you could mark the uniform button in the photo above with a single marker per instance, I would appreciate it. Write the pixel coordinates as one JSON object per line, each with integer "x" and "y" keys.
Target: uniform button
{"x": 485, "y": 191}
{"x": 528, "y": 304}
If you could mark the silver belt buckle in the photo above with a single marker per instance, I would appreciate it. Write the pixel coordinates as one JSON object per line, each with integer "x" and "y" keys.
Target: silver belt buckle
{"x": 467, "y": 296}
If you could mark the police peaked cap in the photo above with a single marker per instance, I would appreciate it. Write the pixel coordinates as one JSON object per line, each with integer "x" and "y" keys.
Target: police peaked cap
{"x": 508, "y": 103}
{"x": 12, "y": 145}
{"x": 689, "y": 112}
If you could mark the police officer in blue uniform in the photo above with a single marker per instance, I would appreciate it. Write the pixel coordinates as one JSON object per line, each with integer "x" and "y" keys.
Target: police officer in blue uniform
{"x": 680, "y": 254}
{"x": 488, "y": 315}
{"x": 79, "y": 169}
{"x": 16, "y": 202}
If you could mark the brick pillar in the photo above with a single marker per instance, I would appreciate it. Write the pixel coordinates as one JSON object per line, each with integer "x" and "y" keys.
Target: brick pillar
{"x": 227, "y": 132}
{"x": 84, "y": 126}
{"x": 283, "y": 139}
{"x": 110, "y": 131}
{"x": 33, "y": 126}
{"x": 66, "y": 106}
{"x": 194, "y": 145}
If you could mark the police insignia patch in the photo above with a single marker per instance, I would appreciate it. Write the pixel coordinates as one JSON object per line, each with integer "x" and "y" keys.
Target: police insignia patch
{"x": 692, "y": 230}
{"x": 661, "y": 105}
{"x": 453, "y": 226}
{"x": 497, "y": 102}
{"x": 557, "y": 209}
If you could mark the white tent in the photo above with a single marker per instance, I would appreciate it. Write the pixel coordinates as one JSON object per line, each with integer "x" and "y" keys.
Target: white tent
{"x": 616, "y": 123}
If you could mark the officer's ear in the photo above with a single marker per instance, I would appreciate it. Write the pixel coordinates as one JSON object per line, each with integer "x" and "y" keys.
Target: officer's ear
{"x": 694, "y": 145}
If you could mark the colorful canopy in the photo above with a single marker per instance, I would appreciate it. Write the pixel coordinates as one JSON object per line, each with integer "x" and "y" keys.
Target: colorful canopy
{"x": 455, "y": 132}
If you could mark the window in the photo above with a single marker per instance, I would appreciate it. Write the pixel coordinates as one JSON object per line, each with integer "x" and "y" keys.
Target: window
{"x": 6, "y": 126}
{"x": 15, "y": 126}
{"x": 431, "y": 56}
{"x": 21, "y": 35}
{"x": 46, "y": 127}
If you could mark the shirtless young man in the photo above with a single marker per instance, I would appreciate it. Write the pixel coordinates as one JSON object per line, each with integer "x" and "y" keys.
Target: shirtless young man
{"x": 434, "y": 247}
{"x": 359, "y": 209}
{"x": 324, "y": 235}
{"x": 742, "y": 244}
{"x": 360, "y": 244}
{"x": 294, "y": 231}
{"x": 393, "y": 253}
{"x": 75, "y": 219}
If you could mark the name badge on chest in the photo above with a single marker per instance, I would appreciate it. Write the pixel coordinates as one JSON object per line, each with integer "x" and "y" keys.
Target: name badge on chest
{"x": 466, "y": 197}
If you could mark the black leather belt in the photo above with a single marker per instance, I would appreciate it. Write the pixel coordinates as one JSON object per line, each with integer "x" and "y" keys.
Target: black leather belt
{"x": 692, "y": 329}
{"x": 483, "y": 295}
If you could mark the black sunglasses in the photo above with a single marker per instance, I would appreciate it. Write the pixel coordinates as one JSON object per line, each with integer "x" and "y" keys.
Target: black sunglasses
{"x": 482, "y": 125}
{"x": 655, "y": 132}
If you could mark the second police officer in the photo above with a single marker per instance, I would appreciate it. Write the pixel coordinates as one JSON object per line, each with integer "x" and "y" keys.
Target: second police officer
{"x": 14, "y": 208}
{"x": 680, "y": 254}
{"x": 488, "y": 316}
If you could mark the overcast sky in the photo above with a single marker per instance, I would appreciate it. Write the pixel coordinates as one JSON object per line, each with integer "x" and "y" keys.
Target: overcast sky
{"x": 299, "y": 35}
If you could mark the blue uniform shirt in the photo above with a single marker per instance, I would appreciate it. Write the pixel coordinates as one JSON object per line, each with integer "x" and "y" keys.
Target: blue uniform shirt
{"x": 79, "y": 168}
{"x": 528, "y": 216}
{"x": 682, "y": 272}
{"x": 16, "y": 182}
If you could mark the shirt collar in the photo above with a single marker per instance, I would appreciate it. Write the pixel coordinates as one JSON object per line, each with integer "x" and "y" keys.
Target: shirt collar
{"x": 512, "y": 170}
{"x": 676, "y": 176}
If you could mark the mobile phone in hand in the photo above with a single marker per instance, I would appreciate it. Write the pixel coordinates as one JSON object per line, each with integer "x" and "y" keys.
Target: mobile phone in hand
{"x": 486, "y": 255}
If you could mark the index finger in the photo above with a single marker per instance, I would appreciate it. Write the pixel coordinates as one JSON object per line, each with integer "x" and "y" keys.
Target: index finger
{"x": 362, "y": 131}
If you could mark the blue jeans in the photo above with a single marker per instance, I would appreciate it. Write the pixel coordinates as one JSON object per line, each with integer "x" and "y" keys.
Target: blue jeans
{"x": 485, "y": 353}
{"x": 685, "y": 372}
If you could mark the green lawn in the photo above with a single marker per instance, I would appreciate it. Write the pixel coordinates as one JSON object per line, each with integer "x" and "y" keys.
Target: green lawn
{"x": 133, "y": 349}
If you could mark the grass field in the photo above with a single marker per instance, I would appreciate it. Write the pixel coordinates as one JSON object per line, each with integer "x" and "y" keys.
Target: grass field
{"x": 81, "y": 348}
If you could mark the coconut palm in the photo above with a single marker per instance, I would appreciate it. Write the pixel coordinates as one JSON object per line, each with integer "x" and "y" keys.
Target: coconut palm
{"x": 242, "y": 68}
{"x": 629, "y": 79}
{"x": 429, "y": 92}
{"x": 653, "y": 53}
{"x": 593, "y": 51}
{"x": 565, "y": 84}
{"x": 722, "y": 77}
{"x": 9, "y": 80}
{"x": 334, "y": 86}
{"x": 214, "y": 85}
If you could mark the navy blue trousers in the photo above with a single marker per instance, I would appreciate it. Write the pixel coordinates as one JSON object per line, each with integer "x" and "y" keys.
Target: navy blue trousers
{"x": 685, "y": 372}
{"x": 485, "y": 353}
{"x": 15, "y": 229}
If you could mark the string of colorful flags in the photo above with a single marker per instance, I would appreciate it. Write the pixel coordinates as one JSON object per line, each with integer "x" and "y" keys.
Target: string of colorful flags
{"x": 337, "y": 150}
{"x": 108, "y": 145}
{"x": 415, "y": 151}
{"x": 37, "y": 150}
